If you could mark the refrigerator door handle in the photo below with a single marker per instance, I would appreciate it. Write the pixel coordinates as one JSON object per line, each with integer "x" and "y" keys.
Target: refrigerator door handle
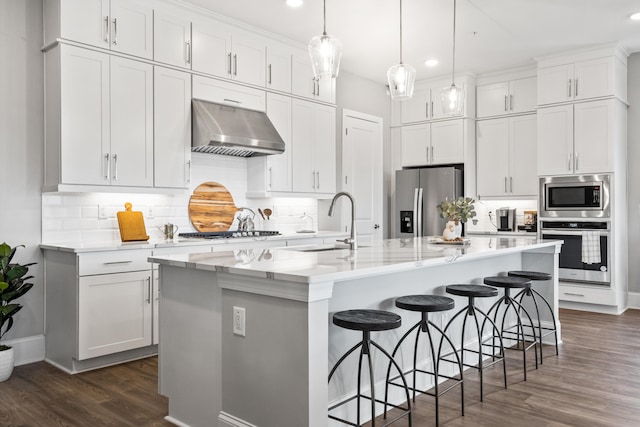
{"x": 415, "y": 212}
{"x": 420, "y": 212}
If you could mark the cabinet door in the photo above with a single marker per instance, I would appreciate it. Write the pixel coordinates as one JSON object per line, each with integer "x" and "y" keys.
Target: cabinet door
{"x": 418, "y": 107}
{"x": 114, "y": 313}
{"x": 493, "y": 157}
{"x": 131, "y": 123}
{"x": 171, "y": 40}
{"x": 304, "y": 177}
{"x": 416, "y": 145}
{"x": 279, "y": 165}
{"x": 248, "y": 58}
{"x": 523, "y": 172}
{"x": 555, "y": 84}
{"x": 326, "y": 90}
{"x": 594, "y": 78}
{"x": 447, "y": 142}
{"x": 132, "y": 27}
{"x": 302, "y": 79}
{"x": 85, "y": 21}
{"x": 84, "y": 115}
{"x": 172, "y": 128}
{"x": 213, "y": 90}
{"x": 593, "y": 136}
{"x": 522, "y": 95}
{"x": 324, "y": 123}
{"x": 279, "y": 67}
{"x": 155, "y": 314}
{"x": 211, "y": 48}
{"x": 555, "y": 140}
{"x": 492, "y": 100}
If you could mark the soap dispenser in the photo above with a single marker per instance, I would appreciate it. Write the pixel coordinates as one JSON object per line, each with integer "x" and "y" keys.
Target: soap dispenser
{"x": 305, "y": 224}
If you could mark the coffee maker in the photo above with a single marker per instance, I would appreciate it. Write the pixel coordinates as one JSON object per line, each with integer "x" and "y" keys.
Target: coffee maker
{"x": 506, "y": 219}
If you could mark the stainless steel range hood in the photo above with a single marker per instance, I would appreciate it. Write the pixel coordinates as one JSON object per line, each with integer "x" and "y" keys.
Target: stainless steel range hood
{"x": 232, "y": 131}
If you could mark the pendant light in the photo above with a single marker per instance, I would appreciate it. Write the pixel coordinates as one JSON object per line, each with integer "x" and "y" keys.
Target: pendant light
{"x": 325, "y": 51}
{"x": 453, "y": 96}
{"x": 401, "y": 76}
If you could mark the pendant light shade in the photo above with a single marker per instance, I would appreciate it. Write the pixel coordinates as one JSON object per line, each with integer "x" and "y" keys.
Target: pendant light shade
{"x": 325, "y": 52}
{"x": 453, "y": 96}
{"x": 401, "y": 76}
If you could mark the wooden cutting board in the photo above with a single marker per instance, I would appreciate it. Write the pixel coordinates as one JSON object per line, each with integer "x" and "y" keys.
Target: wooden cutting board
{"x": 211, "y": 207}
{"x": 131, "y": 225}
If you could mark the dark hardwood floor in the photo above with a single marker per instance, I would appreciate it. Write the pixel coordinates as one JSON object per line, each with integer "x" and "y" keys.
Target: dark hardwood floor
{"x": 595, "y": 381}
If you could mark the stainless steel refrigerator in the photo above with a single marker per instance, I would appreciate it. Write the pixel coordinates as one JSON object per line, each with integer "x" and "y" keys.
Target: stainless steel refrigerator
{"x": 418, "y": 192}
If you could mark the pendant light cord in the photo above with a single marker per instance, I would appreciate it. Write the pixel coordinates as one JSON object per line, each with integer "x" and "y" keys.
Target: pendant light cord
{"x": 453, "y": 68}
{"x": 324, "y": 18}
{"x": 400, "y": 32}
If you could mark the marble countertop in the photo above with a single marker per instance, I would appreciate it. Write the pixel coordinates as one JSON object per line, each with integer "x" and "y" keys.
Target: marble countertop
{"x": 383, "y": 257}
{"x": 178, "y": 242}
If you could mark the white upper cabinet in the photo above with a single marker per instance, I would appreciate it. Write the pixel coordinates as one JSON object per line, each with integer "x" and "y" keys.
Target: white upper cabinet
{"x": 509, "y": 97}
{"x": 121, "y": 25}
{"x": 435, "y": 143}
{"x": 222, "y": 92}
{"x": 172, "y": 128}
{"x": 418, "y": 107}
{"x": 581, "y": 80}
{"x": 228, "y": 52}
{"x": 279, "y": 165}
{"x": 279, "y": 66}
{"x": 171, "y": 39}
{"x": 305, "y": 84}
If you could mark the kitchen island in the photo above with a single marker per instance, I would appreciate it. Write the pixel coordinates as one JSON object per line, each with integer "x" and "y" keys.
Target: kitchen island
{"x": 274, "y": 373}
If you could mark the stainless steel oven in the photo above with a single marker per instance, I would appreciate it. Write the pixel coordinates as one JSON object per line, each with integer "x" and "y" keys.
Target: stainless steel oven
{"x": 572, "y": 267}
{"x": 577, "y": 196}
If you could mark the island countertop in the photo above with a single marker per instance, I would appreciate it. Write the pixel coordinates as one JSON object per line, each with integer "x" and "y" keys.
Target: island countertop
{"x": 295, "y": 264}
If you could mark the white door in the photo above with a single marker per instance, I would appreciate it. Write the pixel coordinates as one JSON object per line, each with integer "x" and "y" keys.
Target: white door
{"x": 324, "y": 148}
{"x": 522, "y": 95}
{"x": 416, "y": 145}
{"x": 279, "y": 67}
{"x": 279, "y": 165}
{"x": 555, "y": 140}
{"x": 418, "y": 107}
{"x": 362, "y": 173}
{"x": 447, "y": 142}
{"x": 132, "y": 27}
{"x": 131, "y": 123}
{"x": 594, "y": 78}
{"x": 493, "y": 157}
{"x": 302, "y": 79}
{"x": 171, "y": 39}
{"x": 492, "y": 99}
{"x": 523, "y": 177}
{"x": 304, "y": 176}
{"x": 85, "y": 128}
{"x": 555, "y": 84}
{"x": 172, "y": 128}
{"x": 211, "y": 48}
{"x": 593, "y": 127}
{"x": 248, "y": 58}
{"x": 85, "y": 21}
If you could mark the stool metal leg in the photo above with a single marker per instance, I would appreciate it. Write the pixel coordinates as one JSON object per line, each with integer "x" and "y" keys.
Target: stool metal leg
{"x": 404, "y": 381}
{"x": 502, "y": 350}
{"x": 553, "y": 330}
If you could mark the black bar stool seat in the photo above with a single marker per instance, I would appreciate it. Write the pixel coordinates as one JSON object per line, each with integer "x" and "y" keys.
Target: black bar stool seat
{"x": 426, "y": 304}
{"x": 538, "y": 276}
{"x": 471, "y": 292}
{"x": 508, "y": 283}
{"x": 368, "y": 321}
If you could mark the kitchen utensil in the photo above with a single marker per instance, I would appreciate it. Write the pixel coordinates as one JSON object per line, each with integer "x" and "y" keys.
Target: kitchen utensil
{"x": 211, "y": 207}
{"x": 169, "y": 230}
{"x": 260, "y": 212}
{"x": 305, "y": 224}
{"x": 245, "y": 223}
{"x": 268, "y": 212}
{"x": 131, "y": 225}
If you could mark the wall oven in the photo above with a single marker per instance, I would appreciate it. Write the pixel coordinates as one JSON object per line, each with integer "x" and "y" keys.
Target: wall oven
{"x": 572, "y": 267}
{"x": 576, "y": 196}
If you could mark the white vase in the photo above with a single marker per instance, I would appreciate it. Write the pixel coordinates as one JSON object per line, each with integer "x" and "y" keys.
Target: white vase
{"x": 6, "y": 363}
{"x": 458, "y": 229}
{"x": 452, "y": 230}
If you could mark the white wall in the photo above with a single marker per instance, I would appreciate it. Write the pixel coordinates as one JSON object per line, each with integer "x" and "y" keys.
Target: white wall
{"x": 21, "y": 148}
{"x": 633, "y": 159}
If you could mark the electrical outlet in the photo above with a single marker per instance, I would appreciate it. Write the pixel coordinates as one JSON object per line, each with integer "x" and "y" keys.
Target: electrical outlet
{"x": 102, "y": 212}
{"x": 239, "y": 323}
{"x": 149, "y": 212}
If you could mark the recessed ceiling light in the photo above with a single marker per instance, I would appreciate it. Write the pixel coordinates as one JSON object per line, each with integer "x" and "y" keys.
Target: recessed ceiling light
{"x": 431, "y": 62}
{"x": 294, "y": 3}
{"x": 635, "y": 16}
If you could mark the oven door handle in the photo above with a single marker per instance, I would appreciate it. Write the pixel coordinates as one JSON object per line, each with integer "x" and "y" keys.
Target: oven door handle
{"x": 572, "y": 232}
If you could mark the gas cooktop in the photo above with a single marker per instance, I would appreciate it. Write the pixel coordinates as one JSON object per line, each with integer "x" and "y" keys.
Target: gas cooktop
{"x": 229, "y": 234}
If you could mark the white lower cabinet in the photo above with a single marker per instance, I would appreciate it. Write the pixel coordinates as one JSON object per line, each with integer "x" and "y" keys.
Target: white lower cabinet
{"x": 114, "y": 313}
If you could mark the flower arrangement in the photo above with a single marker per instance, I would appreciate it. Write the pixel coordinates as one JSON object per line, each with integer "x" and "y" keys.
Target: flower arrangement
{"x": 460, "y": 210}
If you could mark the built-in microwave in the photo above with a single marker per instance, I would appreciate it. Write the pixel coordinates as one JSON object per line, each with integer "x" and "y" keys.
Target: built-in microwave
{"x": 576, "y": 196}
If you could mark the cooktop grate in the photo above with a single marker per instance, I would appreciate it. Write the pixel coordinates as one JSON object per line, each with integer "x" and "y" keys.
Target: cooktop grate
{"x": 229, "y": 234}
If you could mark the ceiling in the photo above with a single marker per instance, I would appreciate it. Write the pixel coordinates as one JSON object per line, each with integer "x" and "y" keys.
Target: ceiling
{"x": 491, "y": 35}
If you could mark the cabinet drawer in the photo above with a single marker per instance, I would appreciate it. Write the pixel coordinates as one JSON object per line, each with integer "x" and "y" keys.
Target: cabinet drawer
{"x": 587, "y": 294}
{"x": 213, "y": 90}
{"x": 113, "y": 262}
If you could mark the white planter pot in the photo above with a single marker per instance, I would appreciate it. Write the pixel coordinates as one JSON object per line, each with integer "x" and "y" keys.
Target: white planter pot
{"x": 6, "y": 364}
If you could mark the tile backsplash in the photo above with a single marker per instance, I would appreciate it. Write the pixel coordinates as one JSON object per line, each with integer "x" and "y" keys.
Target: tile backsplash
{"x": 488, "y": 223}
{"x": 91, "y": 217}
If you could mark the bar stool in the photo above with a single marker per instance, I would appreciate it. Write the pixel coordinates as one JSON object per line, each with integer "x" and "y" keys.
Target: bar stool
{"x": 472, "y": 292}
{"x": 535, "y": 276}
{"x": 367, "y": 321}
{"x": 508, "y": 283}
{"x": 426, "y": 304}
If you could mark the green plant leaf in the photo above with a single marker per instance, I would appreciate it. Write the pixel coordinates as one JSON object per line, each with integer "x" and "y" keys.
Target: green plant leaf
{"x": 17, "y": 293}
{"x": 5, "y": 250}
{"x": 3, "y": 286}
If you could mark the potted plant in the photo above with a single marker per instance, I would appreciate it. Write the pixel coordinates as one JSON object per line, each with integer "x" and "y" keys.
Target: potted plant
{"x": 13, "y": 284}
{"x": 457, "y": 211}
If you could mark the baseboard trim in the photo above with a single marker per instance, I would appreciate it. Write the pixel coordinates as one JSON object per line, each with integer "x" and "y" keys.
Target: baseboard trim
{"x": 633, "y": 300}
{"x": 175, "y": 422}
{"x": 227, "y": 420}
{"x": 27, "y": 350}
